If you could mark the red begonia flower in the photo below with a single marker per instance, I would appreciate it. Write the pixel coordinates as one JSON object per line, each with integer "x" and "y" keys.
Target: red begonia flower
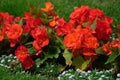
{"x": 22, "y": 54}
{"x": 91, "y": 42}
{"x": 41, "y": 38}
{"x": 74, "y": 39}
{"x": 1, "y": 35}
{"x": 115, "y": 44}
{"x": 80, "y": 15}
{"x": 49, "y": 7}
{"x": 95, "y": 13}
{"x": 40, "y": 42}
{"x": 106, "y": 47}
{"x": 27, "y": 62}
{"x": 14, "y": 32}
{"x": 103, "y": 30}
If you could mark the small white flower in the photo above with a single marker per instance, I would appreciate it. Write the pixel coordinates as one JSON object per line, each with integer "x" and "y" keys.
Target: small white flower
{"x": 118, "y": 75}
{"x": 101, "y": 72}
{"x": 51, "y": 70}
{"x": 118, "y": 79}
{"x": 1, "y": 65}
{"x": 88, "y": 71}
{"x": 63, "y": 73}
{"x": 58, "y": 77}
{"x": 67, "y": 74}
{"x": 2, "y": 61}
{"x": 78, "y": 70}
{"x": 102, "y": 75}
{"x": 97, "y": 73}
{"x": 89, "y": 78}
{"x": 70, "y": 77}
{"x": 100, "y": 78}
{"x": 10, "y": 55}
{"x": 9, "y": 60}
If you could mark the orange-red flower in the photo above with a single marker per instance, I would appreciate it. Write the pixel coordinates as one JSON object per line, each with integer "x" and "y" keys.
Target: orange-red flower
{"x": 1, "y": 35}
{"x": 49, "y": 7}
{"x": 41, "y": 38}
{"x": 30, "y": 22}
{"x": 52, "y": 23}
{"x": 63, "y": 27}
{"x": 81, "y": 38}
{"x": 22, "y": 54}
{"x": 14, "y": 32}
{"x": 39, "y": 32}
{"x": 119, "y": 31}
{"x": 115, "y": 44}
{"x": 27, "y": 62}
{"x": 91, "y": 42}
{"x": 103, "y": 29}
{"x": 40, "y": 42}
{"x": 80, "y": 15}
{"x": 106, "y": 47}
{"x": 74, "y": 40}
{"x": 95, "y": 13}
{"x": 89, "y": 54}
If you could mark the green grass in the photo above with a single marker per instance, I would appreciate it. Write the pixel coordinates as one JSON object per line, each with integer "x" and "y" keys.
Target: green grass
{"x": 6, "y": 74}
{"x": 62, "y": 7}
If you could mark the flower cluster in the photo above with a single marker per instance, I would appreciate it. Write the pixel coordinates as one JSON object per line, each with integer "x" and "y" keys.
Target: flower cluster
{"x": 43, "y": 34}
{"x": 88, "y": 31}
{"x": 15, "y": 30}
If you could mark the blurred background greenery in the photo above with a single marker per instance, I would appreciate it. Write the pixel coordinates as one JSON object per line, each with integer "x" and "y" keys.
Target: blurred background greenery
{"x": 62, "y": 7}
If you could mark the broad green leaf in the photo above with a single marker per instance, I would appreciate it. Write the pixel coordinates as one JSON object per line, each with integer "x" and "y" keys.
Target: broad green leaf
{"x": 68, "y": 56}
{"x": 77, "y": 62}
{"x": 93, "y": 26}
{"x": 113, "y": 56}
{"x": 85, "y": 64}
{"x": 32, "y": 50}
{"x": 39, "y": 61}
{"x": 51, "y": 55}
{"x": 52, "y": 52}
{"x": 28, "y": 43}
{"x": 61, "y": 68}
{"x": 20, "y": 22}
{"x": 85, "y": 24}
{"x": 36, "y": 12}
{"x": 61, "y": 42}
{"x": 99, "y": 51}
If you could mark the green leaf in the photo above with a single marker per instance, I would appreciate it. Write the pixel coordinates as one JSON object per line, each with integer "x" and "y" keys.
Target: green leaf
{"x": 77, "y": 62}
{"x": 93, "y": 26}
{"x": 113, "y": 56}
{"x": 85, "y": 64}
{"x": 28, "y": 43}
{"x": 61, "y": 68}
{"x": 35, "y": 11}
{"x": 68, "y": 56}
{"x": 49, "y": 53}
{"x": 32, "y": 50}
{"x": 20, "y": 22}
{"x": 52, "y": 52}
{"x": 61, "y": 42}
{"x": 39, "y": 61}
{"x": 99, "y": 51}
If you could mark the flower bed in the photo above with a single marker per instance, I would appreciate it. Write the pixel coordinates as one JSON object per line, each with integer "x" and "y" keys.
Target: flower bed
{"x": 87, "y": 41}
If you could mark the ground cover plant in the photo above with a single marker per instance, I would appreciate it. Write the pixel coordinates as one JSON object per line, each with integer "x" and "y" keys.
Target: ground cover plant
{"x": 87, "y": 40}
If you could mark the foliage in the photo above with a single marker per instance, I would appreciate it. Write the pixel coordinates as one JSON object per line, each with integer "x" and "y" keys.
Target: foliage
{"x": 42, "y": 36}
{"x": 89, "y": 75}
{"x": 62, "y": 7}
{"x": 6, "y": 74}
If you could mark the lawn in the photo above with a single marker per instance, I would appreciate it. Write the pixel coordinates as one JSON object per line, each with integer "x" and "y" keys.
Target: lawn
{"x": 62, "y": 7}
{"x": 47, "y": 65}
